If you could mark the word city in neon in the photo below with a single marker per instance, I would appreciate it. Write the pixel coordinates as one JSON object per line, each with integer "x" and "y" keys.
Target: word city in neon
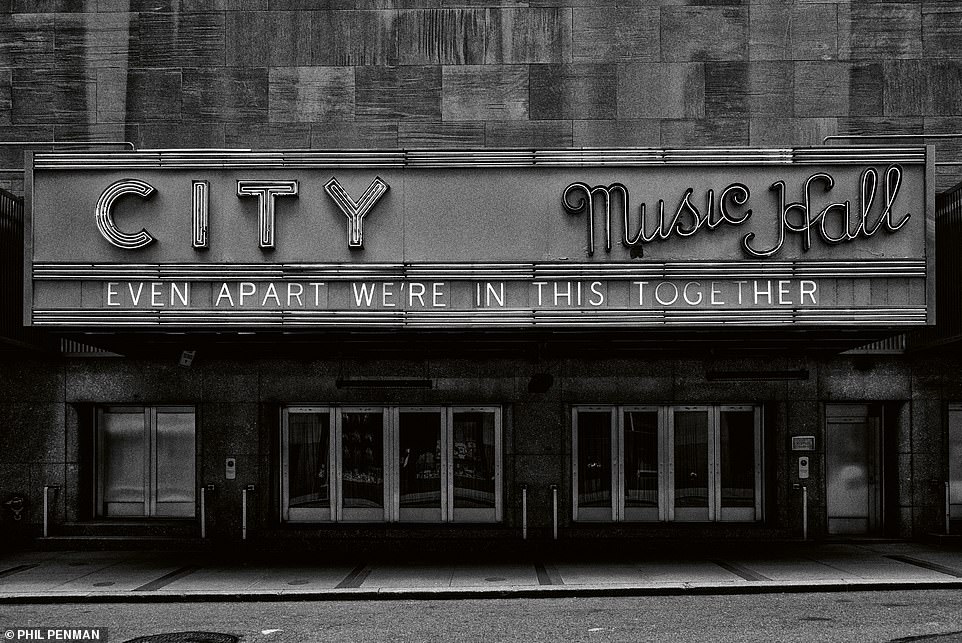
{"x": 266, "y": 193}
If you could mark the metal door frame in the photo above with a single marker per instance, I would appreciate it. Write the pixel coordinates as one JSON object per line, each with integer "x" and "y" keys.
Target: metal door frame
{"x": 148, "y": 415}
{"x": 594, "y": 513}
{"x": 305, "y": 514}
{"x": 392, "y": 511}
{"x": 346, "y": 514}
{"x": 475, "y": 514}
{"x": 155, "y": 412}
{"x": 739, "y": 514}
{"x": 835, "y": 414}
{"x": 955, "y": 490}
{"x": 641, "y": 514}
{"x": 692, "y": 514}
{"x": 423, "y": 514}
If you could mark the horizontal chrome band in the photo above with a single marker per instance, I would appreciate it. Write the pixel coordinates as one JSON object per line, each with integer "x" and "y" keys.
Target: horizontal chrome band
{"x": 377, "y": 159}
{"x": 856, "y": 269}
{"x": 471, "y": 319}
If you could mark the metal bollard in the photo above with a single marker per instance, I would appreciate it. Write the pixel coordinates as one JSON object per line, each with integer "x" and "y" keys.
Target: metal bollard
{"x": 804, "y": 512}
{"x": 948, "y": 509}
{"x": 203, "y": 512}
{"x": 524, "y": 512}
{"x": 249, "y": 487}
{"x": 46, "y": 508}
{"x": 554, "y": 510}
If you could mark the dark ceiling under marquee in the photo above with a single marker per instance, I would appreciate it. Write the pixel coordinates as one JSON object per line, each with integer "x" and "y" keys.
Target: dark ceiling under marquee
{"x": 532, "y": 345}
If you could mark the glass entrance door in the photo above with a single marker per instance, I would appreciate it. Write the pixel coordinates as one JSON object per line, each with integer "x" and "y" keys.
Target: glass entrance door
{"x": 955, "y": 461}
{"x": 684, "y": 463}
{"x": 641, "y": 496}
{"x": 306, "y": 462}
{"x": 476, "y": 474}
{"x": 124, "y": 462}
{"x": 422, "y": 459}
{"x": 739, "y": 464}
{"x": 594, "y": 454}
{"x": 852, "y": 461}
{"x": 391, "y": 464}
{"x": 146, "y": 462}
{"x": 691, "y": 476}
{"x": 361, "y": 438}
{"x": 173, "y": 447}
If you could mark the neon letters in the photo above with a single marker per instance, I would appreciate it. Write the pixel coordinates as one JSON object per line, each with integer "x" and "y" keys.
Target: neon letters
{"x": 802, "y": 218}
{"x": 265, "y": 191}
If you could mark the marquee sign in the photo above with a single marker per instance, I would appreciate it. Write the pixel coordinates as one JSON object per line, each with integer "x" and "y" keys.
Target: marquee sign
{"x": 439, "y": 239}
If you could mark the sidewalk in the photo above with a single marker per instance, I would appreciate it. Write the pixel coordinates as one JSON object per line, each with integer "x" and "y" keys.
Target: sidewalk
{"x": 123, "y": 576}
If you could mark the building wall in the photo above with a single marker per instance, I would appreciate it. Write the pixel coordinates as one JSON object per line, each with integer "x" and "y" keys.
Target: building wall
{"x": 46, "y": 406}
{"x": 477, "y": 73}
{"x": 474, "y": 73}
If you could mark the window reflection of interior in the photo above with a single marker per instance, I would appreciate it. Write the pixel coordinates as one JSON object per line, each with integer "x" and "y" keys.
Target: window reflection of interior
{"x": 362, "y": 456}
{"x": 420, "y": 464}
{"x": 474, "y": 457}
{"x": 667, "y": 463}
{"x": 310, "y": 477}
{"x": 641, "y": 459}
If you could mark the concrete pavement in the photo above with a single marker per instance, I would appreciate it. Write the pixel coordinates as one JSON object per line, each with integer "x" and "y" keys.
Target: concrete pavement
{"x": 124, "y": 576}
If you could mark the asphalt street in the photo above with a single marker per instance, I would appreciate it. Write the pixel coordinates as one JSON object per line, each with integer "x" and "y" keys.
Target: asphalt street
{"x": 924, "y": 615}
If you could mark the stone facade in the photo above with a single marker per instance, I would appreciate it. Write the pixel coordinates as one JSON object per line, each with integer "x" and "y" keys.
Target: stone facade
{"x": 46, "y": 408}
{"x": 470, "y": 74}
{"x": 477, "y": 73}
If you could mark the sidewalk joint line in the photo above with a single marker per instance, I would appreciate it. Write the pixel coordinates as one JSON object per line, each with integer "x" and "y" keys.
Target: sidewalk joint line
{"x": 167, "y": 579}
{"x": 935, "y": 567}
{"x": 548, "y": 574}
{"x": 17, "y": 570}
{"x": 356, "y": 578}
{"x": 740, "y": 571}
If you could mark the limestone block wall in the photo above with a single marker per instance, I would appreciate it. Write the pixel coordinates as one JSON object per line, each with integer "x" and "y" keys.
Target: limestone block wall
{"x": 477, "y": 73}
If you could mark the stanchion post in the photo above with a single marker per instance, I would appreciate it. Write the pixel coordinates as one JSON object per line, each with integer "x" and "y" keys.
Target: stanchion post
{"x": 948, "y": 510}
{"x": 524, "y": 512}
{"x": 804, "y": 512}
{"x": 244, "y": 510}
{"x": 554, "y": 511}
{"x": 203, "y": 512}
{"x": 46, "y": 509}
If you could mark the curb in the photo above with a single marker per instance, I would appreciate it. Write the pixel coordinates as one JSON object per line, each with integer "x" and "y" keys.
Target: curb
{"x": 542, "y": 592}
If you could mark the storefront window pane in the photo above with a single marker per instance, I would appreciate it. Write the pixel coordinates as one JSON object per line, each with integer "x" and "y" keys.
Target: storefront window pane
{"x": 474, "y": 459}
{"x": 737, "y": 443}
{"x": 362, "y": 450}
{"x": 691, "y": 458}
{"x": 419, "y": 439}
{"x": 309, "y": 463}
{"x": 641, "y": 459}
{"x": 594, "y": 459}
